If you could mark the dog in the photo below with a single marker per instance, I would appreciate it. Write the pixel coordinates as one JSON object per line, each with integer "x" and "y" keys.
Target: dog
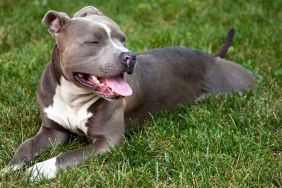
{"x": 95, "y": 86}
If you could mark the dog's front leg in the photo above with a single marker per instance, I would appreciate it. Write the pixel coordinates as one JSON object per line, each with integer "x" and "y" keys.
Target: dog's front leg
{"x": 105, "y": 130}
{"x": 26, "y": 152}
{"x": 48, "y": 169}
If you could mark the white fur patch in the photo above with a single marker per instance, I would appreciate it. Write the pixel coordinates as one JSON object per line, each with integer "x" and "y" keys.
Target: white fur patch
{"x": 43, "y": 170}
{"x": 108, "y": 30}
{"x": 70, "y": 106}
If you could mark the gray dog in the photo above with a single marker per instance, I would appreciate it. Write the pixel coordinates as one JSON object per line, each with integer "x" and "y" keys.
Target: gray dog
{"x": 85, "y": 89}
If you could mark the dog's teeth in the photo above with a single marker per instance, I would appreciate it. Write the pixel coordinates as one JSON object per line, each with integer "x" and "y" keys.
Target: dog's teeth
{"x": 94, "y": 77}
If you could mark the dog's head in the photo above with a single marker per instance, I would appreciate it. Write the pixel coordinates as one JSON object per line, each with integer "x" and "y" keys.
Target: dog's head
{"x": 93, "y": 51}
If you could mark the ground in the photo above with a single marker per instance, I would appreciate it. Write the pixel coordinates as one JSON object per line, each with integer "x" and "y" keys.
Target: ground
{"x": 221, "y": 142}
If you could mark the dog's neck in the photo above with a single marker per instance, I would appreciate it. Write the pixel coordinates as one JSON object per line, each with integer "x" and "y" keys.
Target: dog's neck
{"x": 73, "y": 95}
{"x": 70, "y": 106}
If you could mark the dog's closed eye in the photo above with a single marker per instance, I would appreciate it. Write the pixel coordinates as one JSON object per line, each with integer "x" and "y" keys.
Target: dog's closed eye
{"x": 94, "y": 42}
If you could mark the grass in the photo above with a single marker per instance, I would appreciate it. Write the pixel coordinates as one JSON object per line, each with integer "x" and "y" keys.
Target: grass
{"x": 221, "y": 142}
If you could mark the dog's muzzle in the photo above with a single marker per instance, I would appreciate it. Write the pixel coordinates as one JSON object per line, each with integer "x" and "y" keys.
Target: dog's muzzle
{"x": 129, "y": 60}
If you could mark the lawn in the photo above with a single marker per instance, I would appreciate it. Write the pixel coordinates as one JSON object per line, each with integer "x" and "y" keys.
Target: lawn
{"x": 221, "y": 142}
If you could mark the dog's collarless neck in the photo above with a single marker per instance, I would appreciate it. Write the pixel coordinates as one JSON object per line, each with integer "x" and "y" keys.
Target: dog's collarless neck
{"x": 70, "y": 106}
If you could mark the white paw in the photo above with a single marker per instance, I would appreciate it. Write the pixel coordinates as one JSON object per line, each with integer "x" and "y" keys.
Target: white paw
{"x": 11, "y": 168}
{"x": 43, "y": 170}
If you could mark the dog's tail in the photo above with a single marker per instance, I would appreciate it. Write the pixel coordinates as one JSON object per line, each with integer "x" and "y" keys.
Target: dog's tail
{"x": 228, "y": 41}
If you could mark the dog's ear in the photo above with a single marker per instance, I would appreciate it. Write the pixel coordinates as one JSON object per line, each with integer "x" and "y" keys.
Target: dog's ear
{"x": 55, "y": 20}
{"x": 89, "y": 10}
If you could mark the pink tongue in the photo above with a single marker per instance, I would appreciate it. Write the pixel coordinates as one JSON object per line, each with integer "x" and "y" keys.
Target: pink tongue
{"x": 118, "y": 86}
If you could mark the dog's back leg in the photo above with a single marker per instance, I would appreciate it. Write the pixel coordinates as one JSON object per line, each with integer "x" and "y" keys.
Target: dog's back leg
{"x": 225, "y": 76}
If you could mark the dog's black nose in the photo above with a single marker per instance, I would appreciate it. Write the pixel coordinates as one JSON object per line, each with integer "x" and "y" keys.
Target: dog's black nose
{"x": 129, "y": 60}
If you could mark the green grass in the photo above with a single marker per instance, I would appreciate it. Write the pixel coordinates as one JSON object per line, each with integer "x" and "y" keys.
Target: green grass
{"x": 220, "y": 142}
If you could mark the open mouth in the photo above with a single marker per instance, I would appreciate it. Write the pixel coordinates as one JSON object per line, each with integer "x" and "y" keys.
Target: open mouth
{"x": 109, "y": 87}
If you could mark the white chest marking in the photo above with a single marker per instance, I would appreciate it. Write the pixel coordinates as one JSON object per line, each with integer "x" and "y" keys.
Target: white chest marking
{"x": 70, "y": 106}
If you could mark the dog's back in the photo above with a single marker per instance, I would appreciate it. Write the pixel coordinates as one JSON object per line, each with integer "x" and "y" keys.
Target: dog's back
{"x": 165, "y": 78}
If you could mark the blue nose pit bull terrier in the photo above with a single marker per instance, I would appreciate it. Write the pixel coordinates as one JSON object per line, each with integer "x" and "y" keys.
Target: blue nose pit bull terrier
{"x": 95, "y": 86}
